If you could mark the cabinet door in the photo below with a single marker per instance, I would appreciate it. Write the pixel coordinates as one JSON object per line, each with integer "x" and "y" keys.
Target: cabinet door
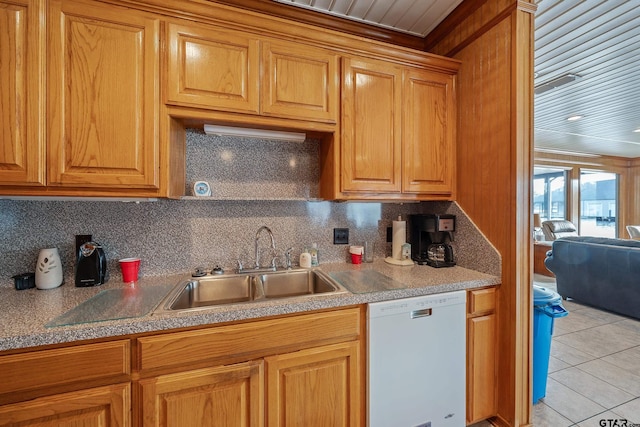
{"x": 97, "y": 407}
{"x": 223, "y": 396}
{"x": 103, "y": 96}
{"x": 428, "y": 133}
{"x": 299, "y": 82}
{"x": 212, "y": 68}
{"x": 371, "y": 126}
{"x": 481, "y": 368}
{"x": 22, "y": 43}
{"x": 317, "y": 387}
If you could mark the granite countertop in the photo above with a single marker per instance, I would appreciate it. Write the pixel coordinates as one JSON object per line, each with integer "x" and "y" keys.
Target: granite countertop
{"x": 28, "y": 315}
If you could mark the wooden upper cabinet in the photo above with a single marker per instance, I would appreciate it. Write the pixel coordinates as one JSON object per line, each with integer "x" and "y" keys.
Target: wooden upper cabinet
{"x": 371, "y": 126}
{"x": 22, "y": 152}
{"x": 212, "y": 68}
{"x": 398, "y": 132}
{"x": 428, "y": 137}
{"x": 103, "y": 96}
{"x": 300, "y": 82}
{"x": 225, "y": 70}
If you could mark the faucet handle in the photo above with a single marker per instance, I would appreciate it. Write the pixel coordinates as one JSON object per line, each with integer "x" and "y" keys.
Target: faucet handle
{"x": 240, "y": 266}
{"x": 287, "y": 256}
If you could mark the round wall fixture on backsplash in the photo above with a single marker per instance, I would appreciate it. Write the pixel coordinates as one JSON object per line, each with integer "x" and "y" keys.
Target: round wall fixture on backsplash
{"x": 202, "y": 189}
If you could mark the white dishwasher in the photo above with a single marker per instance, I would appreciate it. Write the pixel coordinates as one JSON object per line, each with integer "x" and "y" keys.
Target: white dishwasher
{"x": 417, "y": 360}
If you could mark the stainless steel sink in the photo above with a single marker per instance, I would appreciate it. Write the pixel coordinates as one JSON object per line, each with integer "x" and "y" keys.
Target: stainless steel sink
{"x": 208, "y": 291}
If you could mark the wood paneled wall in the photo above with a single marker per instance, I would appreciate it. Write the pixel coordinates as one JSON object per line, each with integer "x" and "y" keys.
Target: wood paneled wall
{"x": 495, "y": 122}
{"x": 634, "y": 192}
{"x": 628, "y": 185}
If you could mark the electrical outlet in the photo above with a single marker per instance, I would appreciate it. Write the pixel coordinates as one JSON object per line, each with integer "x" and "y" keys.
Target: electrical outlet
{"x": 340, "y": 236}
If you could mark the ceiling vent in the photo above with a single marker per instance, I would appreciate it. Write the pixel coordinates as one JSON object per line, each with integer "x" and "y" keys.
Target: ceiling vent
{"x": 555, "y": 83}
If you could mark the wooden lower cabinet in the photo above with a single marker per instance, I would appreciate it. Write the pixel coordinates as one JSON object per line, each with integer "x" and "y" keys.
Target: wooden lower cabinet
{"x": 481, "y": 355}
{"x": 319, "y": 387}
{"x": 301, "y": 370}
{"x": 108, "y": 406}
{"x": 220, "y": 396}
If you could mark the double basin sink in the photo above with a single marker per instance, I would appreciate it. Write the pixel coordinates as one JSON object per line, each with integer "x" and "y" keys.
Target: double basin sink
{"x": 215, "y": 290}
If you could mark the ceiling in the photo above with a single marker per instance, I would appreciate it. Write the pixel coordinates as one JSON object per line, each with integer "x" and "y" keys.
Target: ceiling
{"x": 595, "y": 39}
{"x": 415, "y": 17}
{"x": 599, "y": 41}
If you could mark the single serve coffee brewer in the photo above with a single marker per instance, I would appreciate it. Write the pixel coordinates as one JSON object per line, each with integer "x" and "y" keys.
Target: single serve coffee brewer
{"x": 430, "y": 237}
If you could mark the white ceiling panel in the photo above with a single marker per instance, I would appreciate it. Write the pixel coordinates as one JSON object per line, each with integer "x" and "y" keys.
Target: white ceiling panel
{"x": 599, "y": 41}
{"x": 322, "y": 4}
{"x": 389, "y": 13}
{"x": 337, "y": 7}
{"x": 360, "y": 8}
{"x": 415, "y": 17}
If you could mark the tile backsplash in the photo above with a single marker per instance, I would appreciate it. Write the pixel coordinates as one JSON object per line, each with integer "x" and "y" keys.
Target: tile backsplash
{"x": 279, "y": 179}
{"x": 172, "y": 236}
{"x": 176, "y": 236}
{"x": 250, "y": 168}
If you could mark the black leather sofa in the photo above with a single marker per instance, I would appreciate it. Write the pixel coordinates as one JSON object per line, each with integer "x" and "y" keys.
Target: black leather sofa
{"x": 597, "y": 271}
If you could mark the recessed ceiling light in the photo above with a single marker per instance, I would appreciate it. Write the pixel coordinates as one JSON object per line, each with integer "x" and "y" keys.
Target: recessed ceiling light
{"x": 574, "y": 118}
{"x": 637, "y": 130}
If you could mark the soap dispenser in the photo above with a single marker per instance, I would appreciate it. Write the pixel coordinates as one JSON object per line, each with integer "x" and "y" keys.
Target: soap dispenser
{"x": 315, "y": 256}
{"x": 305, "y": 259}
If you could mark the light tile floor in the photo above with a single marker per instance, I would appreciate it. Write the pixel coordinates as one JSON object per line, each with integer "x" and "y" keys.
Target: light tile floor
{"x": 594, "y": 369}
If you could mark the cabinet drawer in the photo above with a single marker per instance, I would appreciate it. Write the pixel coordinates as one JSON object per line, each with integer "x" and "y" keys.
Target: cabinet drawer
{"x": 482, "y": 301}
{"x": 247, "y": 341}
{"x": 59, "y": 367}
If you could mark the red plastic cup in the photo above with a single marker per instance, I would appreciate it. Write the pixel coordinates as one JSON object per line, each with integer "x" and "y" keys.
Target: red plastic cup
{"x": 130, "y": 269}
{"x": 356, "y": 258}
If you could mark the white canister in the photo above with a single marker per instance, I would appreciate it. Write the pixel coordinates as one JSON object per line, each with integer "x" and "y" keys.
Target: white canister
{"x": 48, "y": 269}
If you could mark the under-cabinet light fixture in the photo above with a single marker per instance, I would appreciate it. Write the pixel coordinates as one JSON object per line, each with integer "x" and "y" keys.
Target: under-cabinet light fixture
{"x": 254, "y": 133}
{"x": 574, "y": 118}
{"x": 637, "y": 130}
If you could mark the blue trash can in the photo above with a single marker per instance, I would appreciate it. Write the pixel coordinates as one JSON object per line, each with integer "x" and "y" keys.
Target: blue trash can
{"x": 547, "y": 306}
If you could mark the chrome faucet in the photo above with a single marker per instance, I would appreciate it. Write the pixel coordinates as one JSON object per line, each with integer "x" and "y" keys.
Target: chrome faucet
{"x": 287, "y": 257}
{"x": 257, "y": 251}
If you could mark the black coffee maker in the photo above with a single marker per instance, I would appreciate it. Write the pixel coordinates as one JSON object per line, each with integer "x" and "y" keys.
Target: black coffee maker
{"x": 430, "y": 235}
{"x": 91, "y": 265}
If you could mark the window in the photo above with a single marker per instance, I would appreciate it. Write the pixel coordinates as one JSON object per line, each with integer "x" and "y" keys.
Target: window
{"x": 598, "y": 203}
{"x": 549, "y": 193}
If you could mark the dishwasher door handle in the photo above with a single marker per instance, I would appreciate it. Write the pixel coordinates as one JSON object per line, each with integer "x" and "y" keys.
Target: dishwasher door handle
{"x": 416, "y": 314}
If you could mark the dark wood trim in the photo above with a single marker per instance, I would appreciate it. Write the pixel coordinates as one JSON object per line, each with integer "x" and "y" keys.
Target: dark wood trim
{"x": 459, "y": 14}
{"x": 464, "y": 11}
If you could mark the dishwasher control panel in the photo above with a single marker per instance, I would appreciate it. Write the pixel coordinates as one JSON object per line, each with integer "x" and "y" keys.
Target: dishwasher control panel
{"x": 387, "y": 308}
